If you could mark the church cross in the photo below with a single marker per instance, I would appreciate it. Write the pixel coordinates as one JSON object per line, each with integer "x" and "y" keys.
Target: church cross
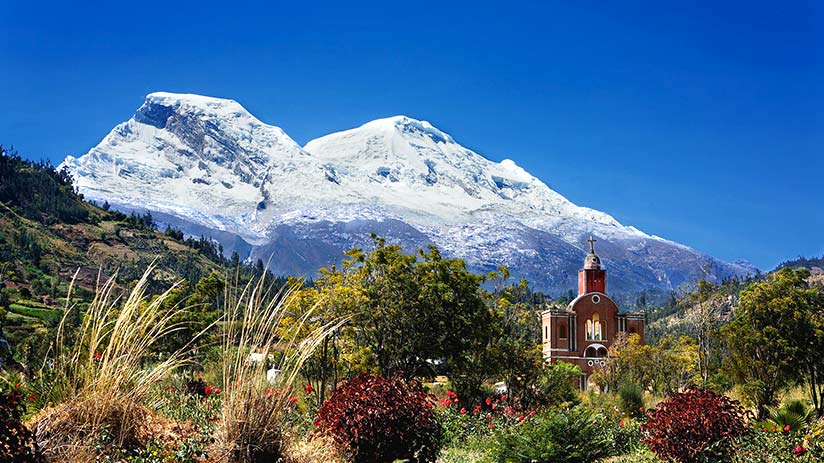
{"x": 592, "y": 241}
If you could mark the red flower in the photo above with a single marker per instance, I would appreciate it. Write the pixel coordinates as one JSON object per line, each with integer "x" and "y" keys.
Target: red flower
{"x": 97, "y": 355}
{"x": 503, "y": 397}
{"x": 32, "y": 397}
{"x": 520, "y": 418}
{"x": 445, "y": 402}
{"x": 622, "y": 424}
{"x": 491, "y": 425}
{"x": 787, "y": 428}
{"x": 294, "y": 400}
{"x": 216, "y": 390}
{"x": 799, "y": 450}
{"x": 463, "y": 411}
{"x": 208, "y": 390}
{"x": 494, "y": 406}
{"x": 308, "y": 389}
{"x": 488, "y": 401}
{"x": 17, "y": 386}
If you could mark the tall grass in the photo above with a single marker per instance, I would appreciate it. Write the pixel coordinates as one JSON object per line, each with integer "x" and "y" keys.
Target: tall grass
{"x": 102, "y": 377}
{"x": 258, "y": 321}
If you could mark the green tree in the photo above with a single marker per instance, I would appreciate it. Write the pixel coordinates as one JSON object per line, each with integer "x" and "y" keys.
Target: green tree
{"x": 419, "y": 308}
{"x": 775, "y": 339}
{"x": 515, "y": 346}
{"x": 670, "y": 365}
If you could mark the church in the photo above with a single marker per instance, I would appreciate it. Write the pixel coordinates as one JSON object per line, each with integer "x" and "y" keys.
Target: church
{"x": 582, "y": 333}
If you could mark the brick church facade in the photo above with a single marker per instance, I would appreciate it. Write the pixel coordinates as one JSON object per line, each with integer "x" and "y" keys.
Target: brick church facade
{"x": 583, "y": 333}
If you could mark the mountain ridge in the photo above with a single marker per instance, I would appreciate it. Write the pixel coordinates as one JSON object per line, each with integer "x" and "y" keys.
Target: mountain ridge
{"x": 207, "y": 162}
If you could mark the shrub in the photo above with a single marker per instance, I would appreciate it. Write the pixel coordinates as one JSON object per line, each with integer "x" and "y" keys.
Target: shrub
{"x": 555, "y": 384}
{"x": 694, "y": 426}
{"x": 777, "y": 446}
{"x": 16, "y": 441}
{"x": 101, "y": 381}
{"x": 373, "y": 419}
{"x": 577, "y": 435}
{"x": 255, "y": 410}
{"x": 794, "y": 414}
{"x": 632, "y": 400}
{"x": 461, "y": 421}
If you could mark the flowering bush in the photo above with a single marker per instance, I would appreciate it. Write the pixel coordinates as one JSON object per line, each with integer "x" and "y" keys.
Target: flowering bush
{"x": 16, "y": 441}
{"x": 694, "y": 426}
{"x": 779, "y": 446}
{"x": 462, "y": 421}
{"x": 373, "y": 419}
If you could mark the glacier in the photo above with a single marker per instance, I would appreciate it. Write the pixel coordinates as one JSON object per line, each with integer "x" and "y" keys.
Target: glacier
{"x": 208, "y": 166}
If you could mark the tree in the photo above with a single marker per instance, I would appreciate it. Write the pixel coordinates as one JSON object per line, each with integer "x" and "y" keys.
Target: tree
{"x": 670, "y": 365}
{"x": 417, "y": 313}
{"x": 775, "y": 338}
{"x": 703, "y": 315}
{"x": 420, "y": 308}
{"x": 515, "y": 347}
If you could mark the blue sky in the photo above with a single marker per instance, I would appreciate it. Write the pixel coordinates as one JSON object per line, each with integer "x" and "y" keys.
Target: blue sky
{"x": 700, "y": 122}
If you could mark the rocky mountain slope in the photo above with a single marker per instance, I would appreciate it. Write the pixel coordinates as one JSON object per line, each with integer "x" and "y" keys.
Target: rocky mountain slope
{"x": 207, "y": 165}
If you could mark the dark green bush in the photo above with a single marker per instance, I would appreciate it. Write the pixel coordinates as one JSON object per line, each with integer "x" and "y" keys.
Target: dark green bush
{"x": 632, "y": 400}
{"x": 577, "y": 435}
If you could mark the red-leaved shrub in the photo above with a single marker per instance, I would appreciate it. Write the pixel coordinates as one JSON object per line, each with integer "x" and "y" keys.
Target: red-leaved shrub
{"x": 693, "y": 426}
{"x": 16, "y": 441}
{"x": 374, "y": 419}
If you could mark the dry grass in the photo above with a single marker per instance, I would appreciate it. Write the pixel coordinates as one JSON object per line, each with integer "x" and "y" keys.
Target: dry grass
{"x": 253, "y": 408}
{"x": 102, "y": 381}
{"x": 311, "y": 449}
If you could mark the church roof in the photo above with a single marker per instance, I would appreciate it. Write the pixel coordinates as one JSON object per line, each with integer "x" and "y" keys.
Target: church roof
{"x": 581, "y": 296}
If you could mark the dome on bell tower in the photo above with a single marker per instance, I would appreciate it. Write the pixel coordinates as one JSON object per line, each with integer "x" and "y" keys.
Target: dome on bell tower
{"x": 592, "y": 261}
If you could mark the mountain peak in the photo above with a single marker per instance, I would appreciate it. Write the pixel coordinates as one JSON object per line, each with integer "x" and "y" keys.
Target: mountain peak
{"x": 159, "y": 106}
{"x": 188, "y": 99}
{"x": 410, "y": 126}
{"x": 208, "y": 165}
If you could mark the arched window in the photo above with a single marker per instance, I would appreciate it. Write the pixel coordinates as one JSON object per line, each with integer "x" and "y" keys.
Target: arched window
{"x": 595, "y": 351}
{"x": 596, "y": 328}
{"x": 562, "y": 331}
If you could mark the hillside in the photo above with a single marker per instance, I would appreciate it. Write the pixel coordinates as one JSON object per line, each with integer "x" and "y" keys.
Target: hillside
{"x": 47, "y": 232}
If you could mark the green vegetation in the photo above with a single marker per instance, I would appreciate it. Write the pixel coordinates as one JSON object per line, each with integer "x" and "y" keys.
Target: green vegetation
{"x": 204, "y": 359}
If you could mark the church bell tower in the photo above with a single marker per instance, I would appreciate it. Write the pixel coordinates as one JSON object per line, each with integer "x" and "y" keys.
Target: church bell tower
{"x": 591, "y": 278}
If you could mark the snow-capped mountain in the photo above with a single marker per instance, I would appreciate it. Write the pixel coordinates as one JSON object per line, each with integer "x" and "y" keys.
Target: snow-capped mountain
{"x": 208, "y": 166}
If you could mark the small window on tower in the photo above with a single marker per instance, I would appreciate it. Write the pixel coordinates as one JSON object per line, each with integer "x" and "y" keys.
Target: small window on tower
{"x": 562, "y": 331}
